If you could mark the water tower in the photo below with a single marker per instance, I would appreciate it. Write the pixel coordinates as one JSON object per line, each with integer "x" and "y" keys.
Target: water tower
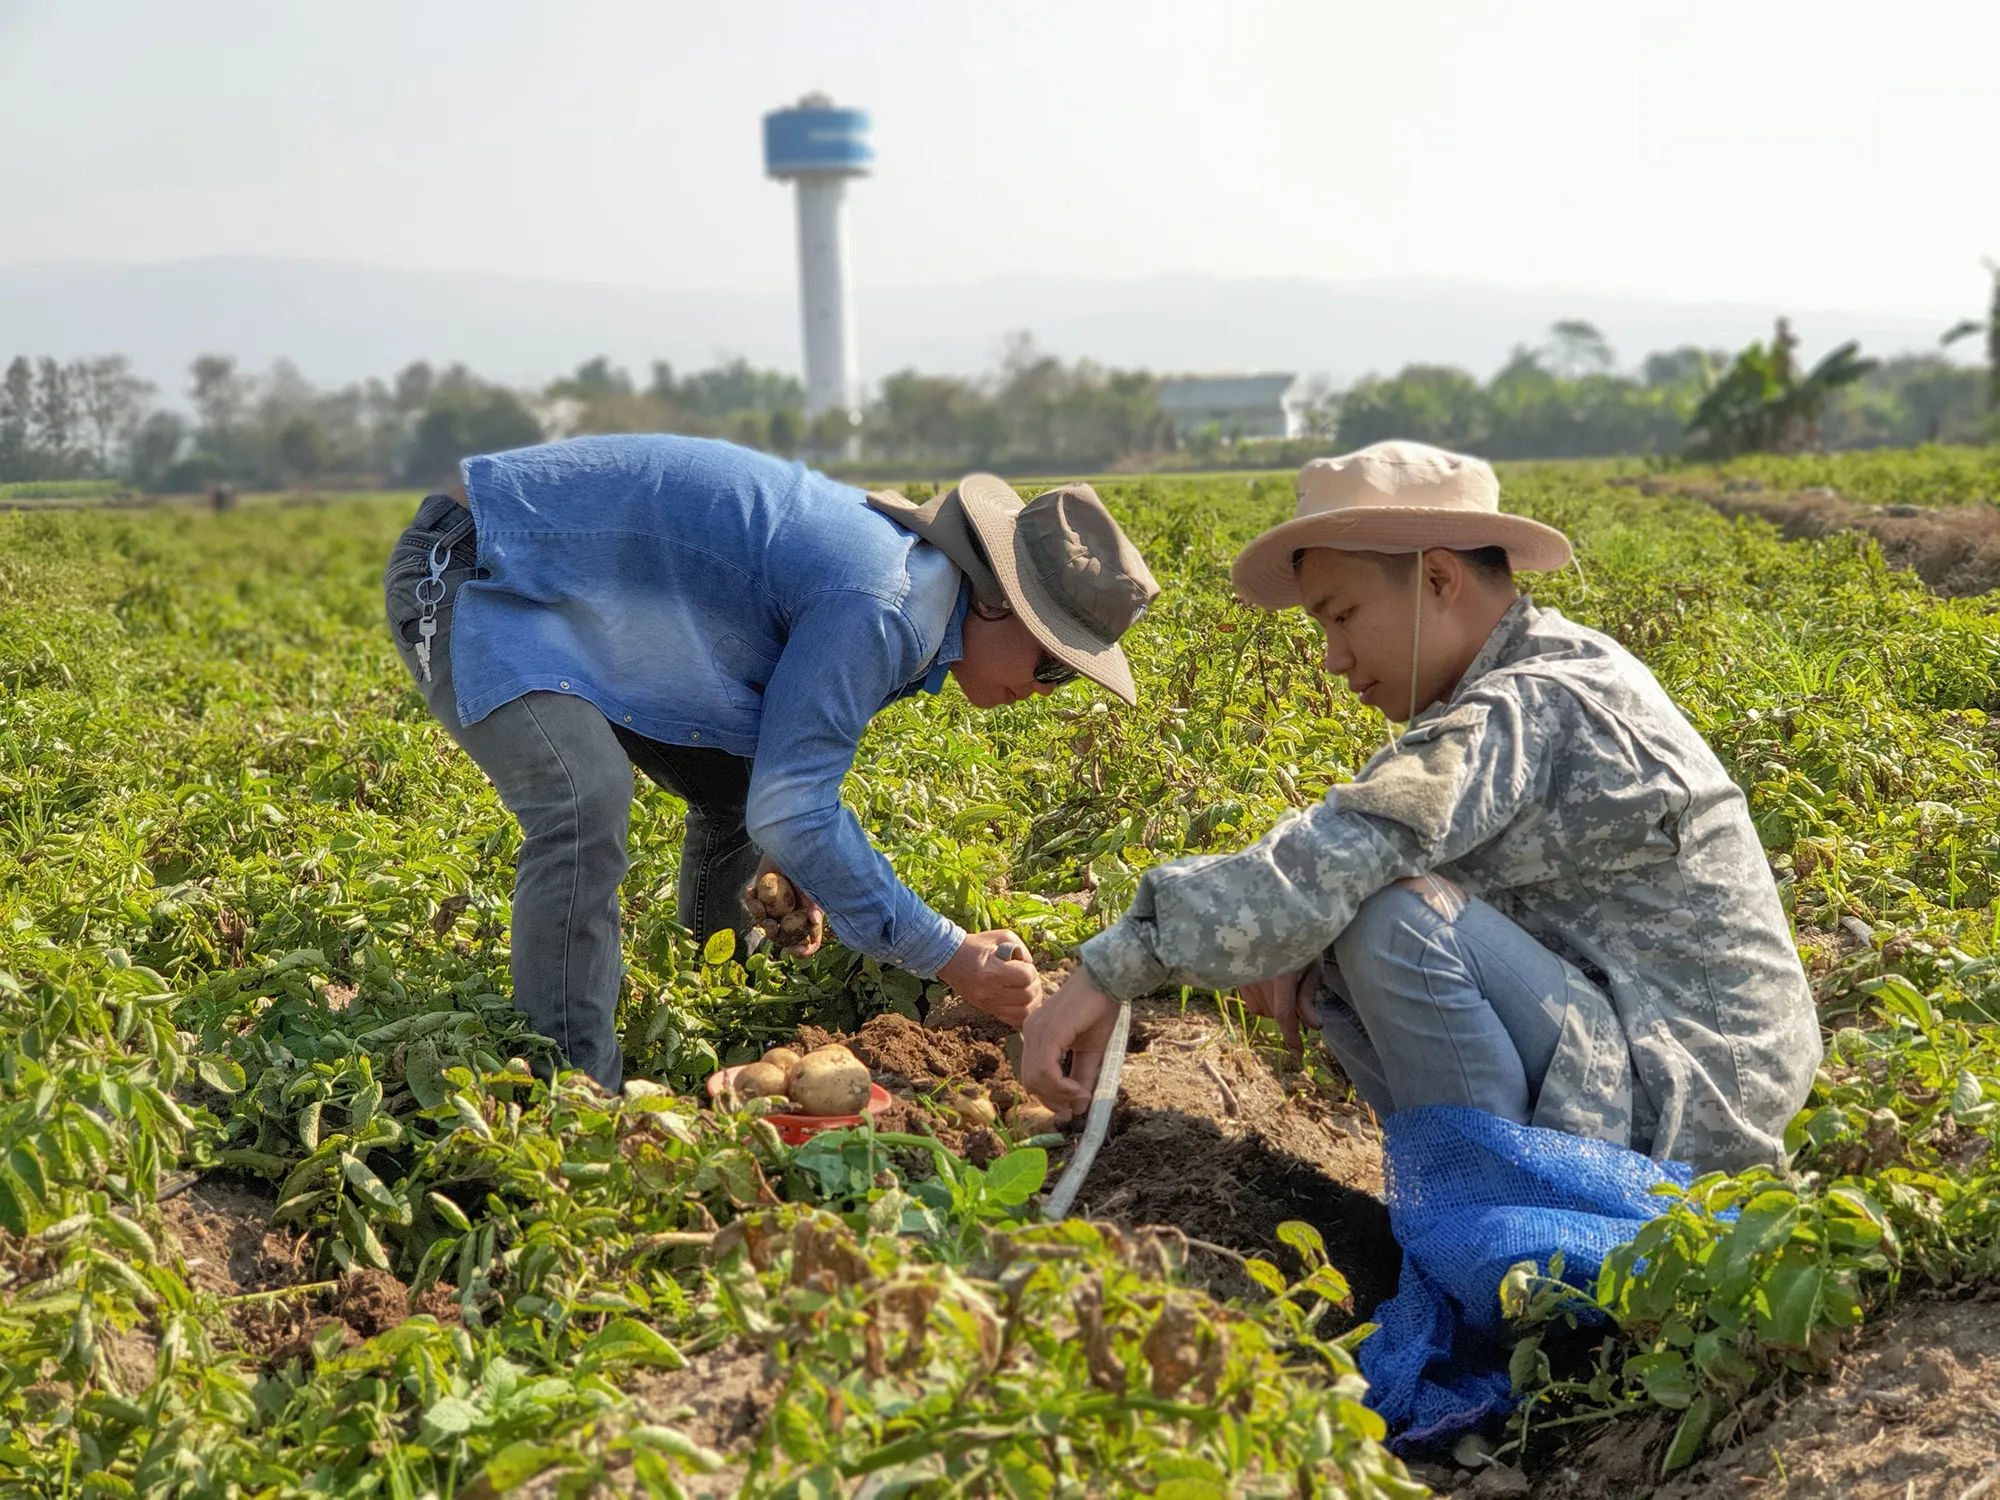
{"x": 819, "y": 147}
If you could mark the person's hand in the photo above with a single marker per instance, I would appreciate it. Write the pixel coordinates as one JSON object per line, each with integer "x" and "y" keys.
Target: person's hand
{"x": 787, "y": 916}
{"x": 1286, "y": 999}
{"x": 1076, "y": 1019}
{"x": 992, "y": 972}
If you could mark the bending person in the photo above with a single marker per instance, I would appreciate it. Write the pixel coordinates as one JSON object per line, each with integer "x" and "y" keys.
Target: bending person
{"x": 1545, "y": 900}
{"x": 729, "y": 623}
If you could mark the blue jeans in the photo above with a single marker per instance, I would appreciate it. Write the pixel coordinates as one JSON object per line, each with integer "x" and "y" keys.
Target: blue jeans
{"x": 1434, "y": 998}
{"x": 565, "y": 772}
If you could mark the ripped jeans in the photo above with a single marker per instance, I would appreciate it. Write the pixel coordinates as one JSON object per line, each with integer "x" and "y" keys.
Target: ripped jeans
{"x": 1431, "y": 997}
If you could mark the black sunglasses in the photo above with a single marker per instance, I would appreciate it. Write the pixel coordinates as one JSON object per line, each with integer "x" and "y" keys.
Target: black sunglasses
{"x": 1053, "y": 673}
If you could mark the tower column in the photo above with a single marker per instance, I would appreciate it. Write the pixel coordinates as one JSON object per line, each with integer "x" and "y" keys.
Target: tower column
{"x": 833, "y": 365}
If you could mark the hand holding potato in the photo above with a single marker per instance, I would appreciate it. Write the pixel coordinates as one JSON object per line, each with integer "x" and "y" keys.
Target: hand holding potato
{"x": 786, "y": 915}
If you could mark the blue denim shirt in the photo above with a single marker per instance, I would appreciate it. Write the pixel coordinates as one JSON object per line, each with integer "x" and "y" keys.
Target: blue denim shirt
{"x": 703, "y": 594}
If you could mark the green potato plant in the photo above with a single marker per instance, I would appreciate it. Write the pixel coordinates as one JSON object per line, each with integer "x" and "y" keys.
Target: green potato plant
{"x": 253, "y": 924}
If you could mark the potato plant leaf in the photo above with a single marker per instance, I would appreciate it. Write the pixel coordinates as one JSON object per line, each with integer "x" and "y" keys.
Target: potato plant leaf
{"x": 518, "y": 1462}
{"x": 423, "y": 1071}
{"x": 628, "y": 1341}
{"x": 1690, "y": 1434}
{"x": 1791, "y": 1291}
{"x": 223, "y": 1074}
{"x": 13, "y": 1204}
{"x": 1018, "y": 1176}
{"x": 1266, "y": 1275}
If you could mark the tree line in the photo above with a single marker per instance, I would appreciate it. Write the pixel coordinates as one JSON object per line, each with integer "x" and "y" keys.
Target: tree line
{"x": 97, "y": 419}
{"x": 1563, "y": 399}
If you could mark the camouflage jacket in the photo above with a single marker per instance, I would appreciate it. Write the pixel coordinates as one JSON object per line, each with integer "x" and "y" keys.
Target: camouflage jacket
{"x": 1560, "y": 784}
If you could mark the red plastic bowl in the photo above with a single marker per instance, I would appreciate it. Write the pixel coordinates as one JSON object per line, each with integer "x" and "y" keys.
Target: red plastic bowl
{"x": 793, "y": 1130}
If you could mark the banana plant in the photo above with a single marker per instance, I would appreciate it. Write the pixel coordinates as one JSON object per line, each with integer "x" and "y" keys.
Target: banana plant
{"x": 1990, "y": 326}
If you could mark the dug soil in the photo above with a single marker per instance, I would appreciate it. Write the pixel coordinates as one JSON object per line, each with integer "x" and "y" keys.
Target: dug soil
{"x": 1955, "y": 549}
{"x": 1207, "y": 1137}
{"x": 264, "y": 1276}
{"x": 1226, "y": 1144}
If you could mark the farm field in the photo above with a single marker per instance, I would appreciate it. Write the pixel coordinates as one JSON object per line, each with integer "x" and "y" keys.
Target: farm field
{"x": 281, "y": 1210}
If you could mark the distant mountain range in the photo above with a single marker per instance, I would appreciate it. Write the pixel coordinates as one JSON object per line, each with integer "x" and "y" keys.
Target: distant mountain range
{"x": 339, "y": 322}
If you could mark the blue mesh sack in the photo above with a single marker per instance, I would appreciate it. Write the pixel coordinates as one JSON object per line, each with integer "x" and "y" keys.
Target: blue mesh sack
{"x": 1470, "y": 1195}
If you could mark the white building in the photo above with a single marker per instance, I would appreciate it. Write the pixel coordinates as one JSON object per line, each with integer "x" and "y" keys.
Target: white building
{"x": 1271, "y": 405}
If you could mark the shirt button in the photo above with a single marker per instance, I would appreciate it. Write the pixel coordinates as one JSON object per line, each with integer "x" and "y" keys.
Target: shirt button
{"x": 564, "y": 684}
{"x": 696, "y": 735}
{"x": 628, "y": 718}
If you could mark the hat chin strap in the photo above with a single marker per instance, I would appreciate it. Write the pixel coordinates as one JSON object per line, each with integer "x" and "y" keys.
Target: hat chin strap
{"x": 1416, "y": 646}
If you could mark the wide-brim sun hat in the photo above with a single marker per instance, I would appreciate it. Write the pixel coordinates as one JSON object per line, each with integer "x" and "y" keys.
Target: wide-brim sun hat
{"x": 1392, "y": 497}
{"x": 1058, "y": 561}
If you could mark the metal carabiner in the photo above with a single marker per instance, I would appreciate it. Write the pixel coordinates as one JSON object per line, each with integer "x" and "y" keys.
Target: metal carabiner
{"x": 430, "y": 592}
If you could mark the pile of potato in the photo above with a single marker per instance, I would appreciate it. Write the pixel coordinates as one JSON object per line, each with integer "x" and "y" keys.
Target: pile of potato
{"x": 831, "y": 1080}
{"x": 828, "y": 1080}
{"x": 774, "y": 905}
{"x": 973, "y": 1107}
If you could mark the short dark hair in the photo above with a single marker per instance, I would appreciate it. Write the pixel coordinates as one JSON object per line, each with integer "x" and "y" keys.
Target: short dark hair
{"x": 1490, "y": 563}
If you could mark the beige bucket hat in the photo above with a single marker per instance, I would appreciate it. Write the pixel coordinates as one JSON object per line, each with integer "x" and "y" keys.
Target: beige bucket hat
{"x": 1393, "y": 497}
{"x": 1059, "y": 562}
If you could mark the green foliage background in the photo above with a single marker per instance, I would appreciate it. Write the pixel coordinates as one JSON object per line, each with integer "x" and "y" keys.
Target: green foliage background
{"x": 252, "y": 908}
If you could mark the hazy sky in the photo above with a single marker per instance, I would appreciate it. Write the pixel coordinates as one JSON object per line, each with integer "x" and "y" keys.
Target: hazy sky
{"x": 1817, "y": 154}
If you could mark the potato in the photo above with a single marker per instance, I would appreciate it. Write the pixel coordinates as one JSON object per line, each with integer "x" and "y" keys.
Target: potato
{"x": 775, "y": 893}
{"x": 794, "y": 927}
{"x": 770, "y": 928}
{"x": 836, "y": 1049}
{"x": 783, "y": 1059}
{"x": 973, "y": 1107}
{"x": 1031, "y": 1118}
{"x": 830, "y": 1081}
{"x": 758, "y": 1080}
{"x": 831, "y": 1049}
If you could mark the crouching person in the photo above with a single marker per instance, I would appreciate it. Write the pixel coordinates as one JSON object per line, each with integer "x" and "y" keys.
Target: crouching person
{"x": 1545, "y": 900}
